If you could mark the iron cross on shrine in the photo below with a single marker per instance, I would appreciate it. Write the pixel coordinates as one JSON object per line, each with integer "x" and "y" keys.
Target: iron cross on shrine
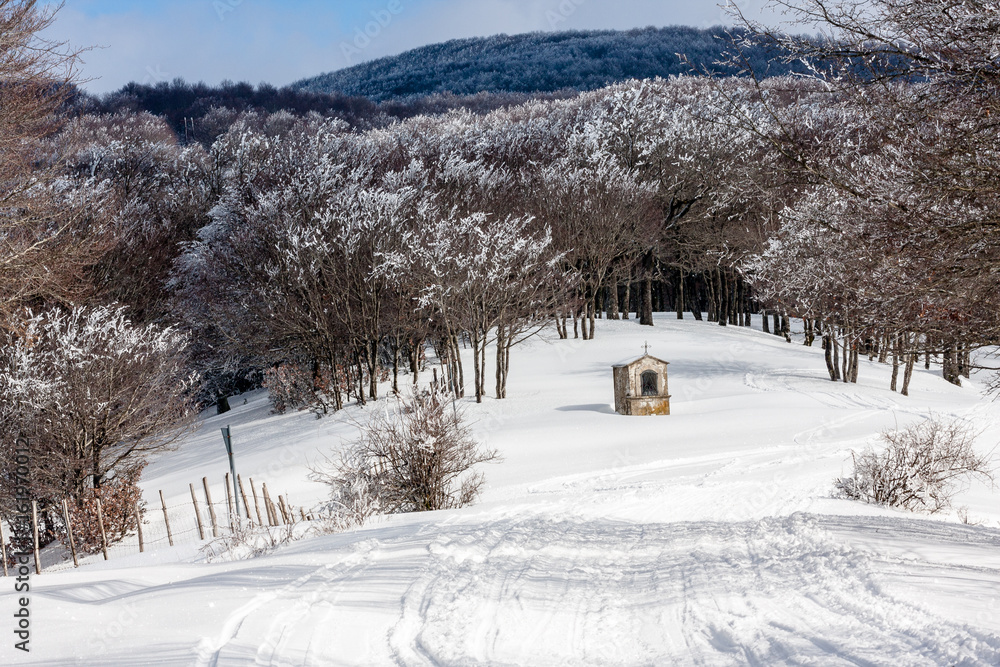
{"x": 647, "y": 347}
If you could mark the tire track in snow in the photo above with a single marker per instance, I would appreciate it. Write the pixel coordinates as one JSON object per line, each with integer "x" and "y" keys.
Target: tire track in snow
{"x": 275, "y": 614}
{"x": 778, "y": 591}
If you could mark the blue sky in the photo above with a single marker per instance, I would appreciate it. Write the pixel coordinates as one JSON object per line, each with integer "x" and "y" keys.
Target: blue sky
{"x": 282, "y": 41}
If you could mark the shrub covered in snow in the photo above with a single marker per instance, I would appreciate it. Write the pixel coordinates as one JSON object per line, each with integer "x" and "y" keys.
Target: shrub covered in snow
{"x": 920, "y": 469}
{"x": 413, "y": 459}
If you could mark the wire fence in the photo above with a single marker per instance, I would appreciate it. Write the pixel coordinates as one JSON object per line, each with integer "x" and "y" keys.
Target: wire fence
{"x": 213, "y": 511}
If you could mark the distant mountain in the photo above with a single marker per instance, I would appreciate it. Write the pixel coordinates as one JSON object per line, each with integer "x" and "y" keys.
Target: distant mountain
{"x": 535, "y": 63}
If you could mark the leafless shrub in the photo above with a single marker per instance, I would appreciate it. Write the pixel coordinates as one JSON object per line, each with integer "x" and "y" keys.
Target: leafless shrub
{"x": 417, "y": 458}
{"x": 246, "y": 541}
{"x": 920, "y": 469}
{"x": 119, "y": 498}
{"x": 289, "y": 386}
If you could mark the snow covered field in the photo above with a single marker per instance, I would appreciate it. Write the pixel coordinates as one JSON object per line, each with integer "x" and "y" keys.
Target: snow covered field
{"x": 709, "y": 537}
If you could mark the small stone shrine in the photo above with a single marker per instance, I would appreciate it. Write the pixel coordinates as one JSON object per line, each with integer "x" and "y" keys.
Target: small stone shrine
{"x": 641, "y": 387}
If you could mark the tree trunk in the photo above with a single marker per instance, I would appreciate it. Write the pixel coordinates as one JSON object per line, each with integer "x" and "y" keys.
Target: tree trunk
{"x": 361, "y": 379}
{"x": 741, "y": 311}
{"x": 592, "y": 308}
{"x": 950, "y": 365}
{"x": 733, "y": 301}
{"x": 846, "y": 367}
{"x": 713, "y": 305}
{"x": 499, "y": 360}
{"x": 911, "y": 358}
{"x": 895, "y": 362}
{"x": 679, "y": 298}
{"x": 836, "y": 356}
{"x": 831, "y": 365}
{"x": 723, "y": 294}
{"x": 460, "y": 377}
{"x": 338, "y": 401}
{"x": 504, "y": 343}
{"x": 478, "y": 370}
{"x": 767, "y": 322}
{"x": 395, "y": 367}
{"x": 627, "y": 300}
{"x": 854, "y": 362}
{"x": 646, "y": 314}
{"x": 317, "y": 384}
{"x": 373, "y": 370}
{"x": 415, "y": 358}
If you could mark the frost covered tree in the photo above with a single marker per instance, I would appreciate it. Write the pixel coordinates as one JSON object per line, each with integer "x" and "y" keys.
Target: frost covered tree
{"x": 153, "y": 196}
{"x": 496, "y": 279}
{"x": 92, "y": 395}
{"x": 669, "y": 133}
{"x": 220, "y": 286}
{"x": 45, "y": 247}
{"x": 597, "y": 211}
{"x": 914, "y": 160}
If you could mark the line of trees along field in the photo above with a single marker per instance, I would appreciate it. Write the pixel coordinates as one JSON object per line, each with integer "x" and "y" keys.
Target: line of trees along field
{"x": 149, "y": 275}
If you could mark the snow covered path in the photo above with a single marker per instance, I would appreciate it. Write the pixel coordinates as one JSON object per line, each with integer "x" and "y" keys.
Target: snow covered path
{"x": 709, "y": 537}
{"x": 531, "y": 590}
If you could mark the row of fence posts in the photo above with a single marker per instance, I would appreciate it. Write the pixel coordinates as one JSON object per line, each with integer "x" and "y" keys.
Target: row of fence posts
{"x": 271, "y": 511}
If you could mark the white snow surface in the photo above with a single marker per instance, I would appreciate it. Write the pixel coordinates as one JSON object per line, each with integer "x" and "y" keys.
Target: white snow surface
{"x": 709, "y": 537}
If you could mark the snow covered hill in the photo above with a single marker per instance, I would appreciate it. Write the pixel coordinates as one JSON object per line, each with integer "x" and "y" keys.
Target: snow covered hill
{"x": 709, "y": 537}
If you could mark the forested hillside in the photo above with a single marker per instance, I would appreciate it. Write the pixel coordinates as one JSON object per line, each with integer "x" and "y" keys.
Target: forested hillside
{"x": 538, "y": 62}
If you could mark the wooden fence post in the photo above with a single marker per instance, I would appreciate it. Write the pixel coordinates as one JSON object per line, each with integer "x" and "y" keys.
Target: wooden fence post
{"x": 229, "y": 502}
{"x": 100, "y": 524}
{"x": 246, "y": 505}
{"x": 166, "y": 519}
{"x": 138, "y": 525}
{"x": 285, "y": 511}
{"x": 256, "y": 505}
{"x": 271, "y": 519}
{"x": 302, "y": 513}
{"x": 69, "y": 533}
{"x": 211, "y": 509}
{"x": 3, "y": 550}
{"x": 34, "y": 532}
{"x": 197, "y": 513}
{"x": 274, "y": 510}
